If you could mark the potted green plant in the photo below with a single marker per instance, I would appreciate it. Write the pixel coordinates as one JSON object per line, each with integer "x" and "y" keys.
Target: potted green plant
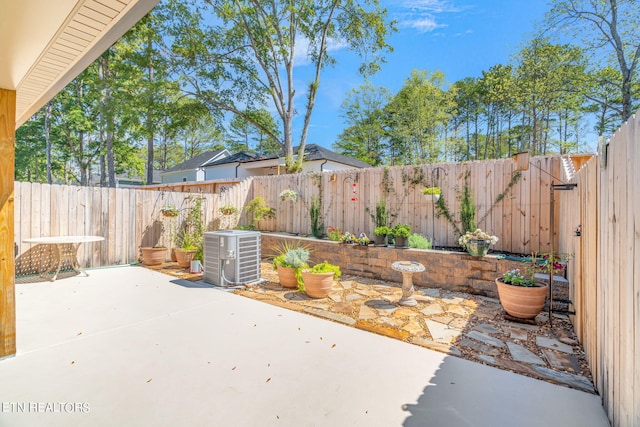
{"x": 381, "y": 234}
{"x": 334, "y": 234}
{"x": 401, "y": 233}
{"x": 169, "y": 211}
{"x": 228, "y": 210}
{"x": 477, "y": 242}
{"x": 318, "y": 280}
{"x": 431, "y": 194}
{"x": 190, "y": 237}
{"x": 348, "y": 238}
{"x": 289, "y": 195}
{"x": 363, "y": 240}
{"x": 289, "y": 261}
{"x": 523, "y": 295}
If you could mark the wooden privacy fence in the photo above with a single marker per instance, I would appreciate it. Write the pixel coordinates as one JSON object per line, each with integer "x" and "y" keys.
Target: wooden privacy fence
{"x": 605, "y": 272}
{"x": 126, "y": 218}
{"x": 521, "y": 219}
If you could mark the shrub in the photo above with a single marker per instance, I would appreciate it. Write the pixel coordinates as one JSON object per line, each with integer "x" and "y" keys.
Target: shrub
{"x": 418, "y": 241}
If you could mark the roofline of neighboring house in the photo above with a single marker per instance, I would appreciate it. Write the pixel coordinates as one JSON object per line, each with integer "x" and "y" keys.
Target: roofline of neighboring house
{"x": 200, "y": 166}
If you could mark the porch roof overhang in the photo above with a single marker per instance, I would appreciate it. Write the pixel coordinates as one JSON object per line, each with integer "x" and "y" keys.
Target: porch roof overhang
{"x": 45, "y": 44}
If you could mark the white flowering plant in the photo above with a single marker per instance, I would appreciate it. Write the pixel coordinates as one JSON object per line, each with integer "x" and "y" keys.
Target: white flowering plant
{"x": 289, "y": 195}
{"x": 476, "y": 235}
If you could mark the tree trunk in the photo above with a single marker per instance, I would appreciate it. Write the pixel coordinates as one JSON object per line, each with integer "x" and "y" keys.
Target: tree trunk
{"x": 47, "y": 136}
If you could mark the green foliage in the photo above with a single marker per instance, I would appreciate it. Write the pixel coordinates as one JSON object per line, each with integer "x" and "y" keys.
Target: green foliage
{"x": 401, "y": 230}
{"x": 296, "y": 258}
{"x": 431, "y": 190}
{"x": 257, "y": 210}
{"x": 364, "y": 137}
{"x": 418, "y": 241}
{"x": 317, "y": 225}
{"x": 382, "y": 230}
{"x": 228, "y": 210}
{"x": 239, "y": 53}
{"x": 467, "y": 208}
{"x": 334, "y": 234}
{"x": 325, "y": 267}
{"x": 191, "y": 232}
{"x": 418, "y": 115}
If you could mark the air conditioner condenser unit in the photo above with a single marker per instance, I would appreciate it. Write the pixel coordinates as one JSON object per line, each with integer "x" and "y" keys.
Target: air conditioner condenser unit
{"x": 231, "y": 257}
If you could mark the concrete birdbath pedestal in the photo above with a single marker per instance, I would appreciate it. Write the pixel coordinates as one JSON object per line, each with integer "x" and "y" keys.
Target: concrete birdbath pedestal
{"x": 407, "y": 268}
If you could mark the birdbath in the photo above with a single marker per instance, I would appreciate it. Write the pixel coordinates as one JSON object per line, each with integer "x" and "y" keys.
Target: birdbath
{"x": 407, "y": 268}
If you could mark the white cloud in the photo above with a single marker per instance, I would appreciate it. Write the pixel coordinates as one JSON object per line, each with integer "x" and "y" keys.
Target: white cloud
{"x": 422, "y": 25}
{"x": 423, "y": 15}
{"x": 434, "y": 6}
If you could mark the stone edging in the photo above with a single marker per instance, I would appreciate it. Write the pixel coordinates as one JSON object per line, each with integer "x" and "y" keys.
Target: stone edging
{"x": 455, "y": 271}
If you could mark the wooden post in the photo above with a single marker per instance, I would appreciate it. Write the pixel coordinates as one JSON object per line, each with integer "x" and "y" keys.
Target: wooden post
{"x": 7, "y": 255}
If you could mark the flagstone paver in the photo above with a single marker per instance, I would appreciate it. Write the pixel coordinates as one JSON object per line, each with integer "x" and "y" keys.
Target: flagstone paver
{"x": 487, "y": 329}
{"x": 521, "y": 354}
{"x": 516, "y": 333}
{"x": 479, "y": 347}
{"x": 553, "y": 344}
{"x": 562, "y": 360}
{"x": 441, "y": 332}
{"x": 470, "y": 326}
{"x": 487, "y": 339}
{"x": 432, "y": 309}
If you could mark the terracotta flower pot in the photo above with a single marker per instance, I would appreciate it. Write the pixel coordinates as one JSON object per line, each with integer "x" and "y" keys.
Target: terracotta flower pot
{"x": 184, "y": 257}
{"x": 521, "y": 301}
{"x": 287, "y": 277}
{"x": 153, "y": 256}
{"x": 317, "y": 285}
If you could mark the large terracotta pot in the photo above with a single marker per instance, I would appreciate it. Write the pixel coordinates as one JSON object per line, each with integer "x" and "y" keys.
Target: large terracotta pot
{"x": 184, "y": 257}
{"x": 287, "y": 277}
{"x": 153, "y": 256}
{"x": 317, "y": 285}
{"x": 521, "y": 301}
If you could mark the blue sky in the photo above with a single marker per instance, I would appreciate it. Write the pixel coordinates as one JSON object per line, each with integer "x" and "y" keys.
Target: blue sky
{"x": 458, "y": 37}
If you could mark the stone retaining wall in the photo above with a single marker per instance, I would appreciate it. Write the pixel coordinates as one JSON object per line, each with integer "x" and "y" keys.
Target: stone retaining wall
{"x": 455, "y": 271}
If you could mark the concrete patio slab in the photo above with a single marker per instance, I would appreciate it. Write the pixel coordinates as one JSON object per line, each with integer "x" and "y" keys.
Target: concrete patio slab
{"x": 129, "y": 346}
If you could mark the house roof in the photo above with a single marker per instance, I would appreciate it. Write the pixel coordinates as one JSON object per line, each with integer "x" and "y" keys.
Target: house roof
{"x": 242, "y": 157}
{"x": 195, "y": 162}
{"x": 313, "y": 152}
{"x": 45, "y": 44}
{"x": 316, "y": 152}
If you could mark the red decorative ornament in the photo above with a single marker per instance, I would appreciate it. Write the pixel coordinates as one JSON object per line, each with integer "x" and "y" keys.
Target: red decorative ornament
{"x": 354, "y": 199}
